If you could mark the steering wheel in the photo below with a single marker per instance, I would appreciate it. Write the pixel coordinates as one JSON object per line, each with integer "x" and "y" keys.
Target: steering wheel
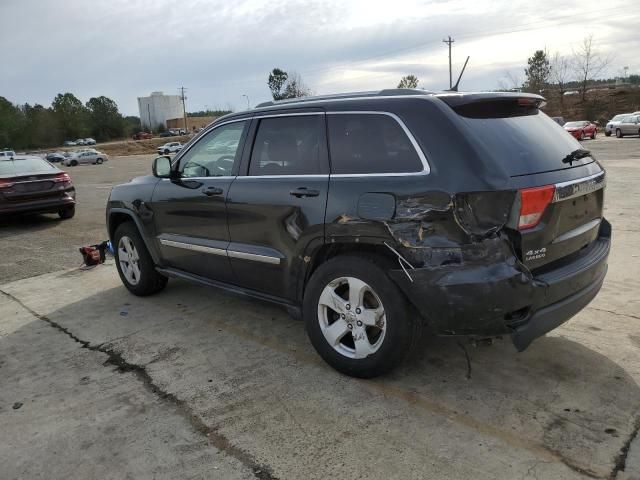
{"x": 224, "y": 171}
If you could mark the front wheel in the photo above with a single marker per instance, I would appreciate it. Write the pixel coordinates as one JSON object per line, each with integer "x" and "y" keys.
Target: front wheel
{"x": 99, "y": 161}
{"x": 135, "y": 265}
{"x": 607, "y": 134}
{"x": 74, "y": 163}
{"x": 618, "y": 133}
{"x": 166, "y": 152}
{"x": 593, "y": 135}
{"x": 356, "y": 318}
{"x": 582, "y": 135}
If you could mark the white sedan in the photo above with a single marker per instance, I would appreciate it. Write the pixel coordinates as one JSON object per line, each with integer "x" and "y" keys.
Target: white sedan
{"x": 89, "y": 156}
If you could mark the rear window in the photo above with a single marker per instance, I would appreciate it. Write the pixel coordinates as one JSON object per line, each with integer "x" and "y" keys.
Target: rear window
{"x": 370, "y": 143}
{"x": 27, "y": 165}
{"x": 524, "y": 144}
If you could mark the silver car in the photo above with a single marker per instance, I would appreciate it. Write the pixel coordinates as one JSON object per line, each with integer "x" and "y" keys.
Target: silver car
{"x": 609, "y": 128}
{"x": 90, "y": 156}
{"x": 629, "y": 125}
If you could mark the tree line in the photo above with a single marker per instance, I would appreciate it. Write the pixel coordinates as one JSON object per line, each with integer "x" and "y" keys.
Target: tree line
{"x": 26, "y": 126}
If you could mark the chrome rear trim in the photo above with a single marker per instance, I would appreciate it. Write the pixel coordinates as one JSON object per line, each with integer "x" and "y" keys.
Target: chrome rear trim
{"x": 579, "y": 187}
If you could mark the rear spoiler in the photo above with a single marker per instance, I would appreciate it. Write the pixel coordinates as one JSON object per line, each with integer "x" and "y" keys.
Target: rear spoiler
{"x": 493, "y": 104}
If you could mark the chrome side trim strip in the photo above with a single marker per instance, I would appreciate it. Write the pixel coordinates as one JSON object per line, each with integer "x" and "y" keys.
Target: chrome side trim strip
{"x": 300, "y": 114}
{"x": 578, "y": 231}
{"x": 192, "y": 247}
{"x": 254, "y": 256}
{"x": 579, "y": 187}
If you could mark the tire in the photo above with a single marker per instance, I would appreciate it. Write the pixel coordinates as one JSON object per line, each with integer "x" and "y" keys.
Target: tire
{"x": 618, "y": 133}
{"x": 74, "y": 163}
{"x": 593, "y": 135}
{"x": 99, "y": 161}
{"x": 607, "y": 134}
{"x": 67, "y": 213}
{"x": 166, "y": 151}
{"x": 138, "y": 276}
{"x": 384, "y": 343}
{"x": 582, "y": 135}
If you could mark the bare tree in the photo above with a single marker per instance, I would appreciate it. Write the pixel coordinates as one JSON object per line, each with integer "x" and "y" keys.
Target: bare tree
{"x": 560, "y": 73}
{"x": 409, "y": 81}
{"x": 296, "y": 87}
{"x": 588, "y": 63}
{"x": 510, "y": 81}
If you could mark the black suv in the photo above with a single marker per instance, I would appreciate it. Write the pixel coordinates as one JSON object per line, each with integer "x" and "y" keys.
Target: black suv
{"x": 373, "y": 215}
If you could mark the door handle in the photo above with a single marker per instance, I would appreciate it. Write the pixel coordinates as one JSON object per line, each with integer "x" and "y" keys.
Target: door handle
{"x": 304, "y": 192}
{"x": 211, "y": 191}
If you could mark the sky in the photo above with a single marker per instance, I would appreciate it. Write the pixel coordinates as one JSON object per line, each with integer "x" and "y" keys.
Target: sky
{"x": 223, "y": 51}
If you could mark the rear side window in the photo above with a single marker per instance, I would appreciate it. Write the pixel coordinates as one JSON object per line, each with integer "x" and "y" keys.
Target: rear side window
{"x": 288, "y": 146}
{"x": 370, "y": 143}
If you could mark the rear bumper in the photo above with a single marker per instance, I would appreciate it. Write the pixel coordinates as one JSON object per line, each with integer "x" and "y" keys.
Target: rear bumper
{"x": 39, "y": 205}
{"x": 502, "y": 297}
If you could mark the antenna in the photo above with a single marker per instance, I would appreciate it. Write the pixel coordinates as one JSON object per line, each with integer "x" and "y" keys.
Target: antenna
{"x": 455, "y": 87}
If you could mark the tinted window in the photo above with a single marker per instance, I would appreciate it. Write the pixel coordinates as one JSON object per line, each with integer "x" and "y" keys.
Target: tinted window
{"x": 215, "y": 154}
{"x": 370, "y": 143}
{"x": 27, "y": 165}
{"x": 288, "y": 146}
{"x": 523, "y": 144}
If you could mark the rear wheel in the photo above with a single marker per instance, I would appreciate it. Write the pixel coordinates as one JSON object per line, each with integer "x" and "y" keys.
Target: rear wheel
{"x": 166, "y": 151}
{"x": 618, "y": 133}
{"x": 135, "y": 265}
{"x": 99, "y": 161}
{"x": 593, "y": 135}
{"x": 356, "y": 318}
{"x": 74, "y": 163}
{"x": 582, "y": 135}
{"x": 67, "y": 213}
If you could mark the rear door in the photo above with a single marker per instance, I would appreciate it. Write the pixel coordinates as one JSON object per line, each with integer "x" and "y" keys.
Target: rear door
{"x": 535, "y": 152}
{"x": 630, "y": 125}
{"x": 190, "y": 214}
{"x": 276, "y": 209}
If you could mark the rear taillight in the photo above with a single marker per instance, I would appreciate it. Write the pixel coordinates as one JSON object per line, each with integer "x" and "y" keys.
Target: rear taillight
{"x": 62, "y": 177}
{"x": 533, "y": 203}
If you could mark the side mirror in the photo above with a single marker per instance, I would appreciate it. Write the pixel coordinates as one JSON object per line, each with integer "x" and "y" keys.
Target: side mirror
{"x": 162, "y": 167}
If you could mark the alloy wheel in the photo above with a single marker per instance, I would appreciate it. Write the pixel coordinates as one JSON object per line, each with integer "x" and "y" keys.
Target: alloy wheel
{"x": 128, "y": 258}
{"x": 352, "y": 317}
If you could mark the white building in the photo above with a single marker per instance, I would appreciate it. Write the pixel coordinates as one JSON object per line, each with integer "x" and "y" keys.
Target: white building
{"x": 158, "y": 108}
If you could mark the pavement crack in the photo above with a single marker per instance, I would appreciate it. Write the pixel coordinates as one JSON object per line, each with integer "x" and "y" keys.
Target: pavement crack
{"x": 621, "y": 459}
{"x": 614, "y": 312}
{"x": 114, "y": 358}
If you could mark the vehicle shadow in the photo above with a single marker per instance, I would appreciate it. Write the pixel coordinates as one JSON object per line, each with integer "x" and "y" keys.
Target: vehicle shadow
{"x": 558, "y": 401}
{"x": 30, "y": 222}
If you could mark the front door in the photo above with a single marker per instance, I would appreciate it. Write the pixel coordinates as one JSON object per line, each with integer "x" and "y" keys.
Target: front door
{"x": 189, "y": 212}
{"x": 276, "y": 208}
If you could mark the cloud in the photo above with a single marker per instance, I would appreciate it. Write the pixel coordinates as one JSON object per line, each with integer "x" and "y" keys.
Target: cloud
{"x": 221, "y": 50}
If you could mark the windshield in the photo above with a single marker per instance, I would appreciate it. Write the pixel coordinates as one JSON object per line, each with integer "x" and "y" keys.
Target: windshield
{"x": 617, "y": 118}
{"x": 574, "y": 124}
{"x": 524, "y": 144}
{"x": 25, "y": 165}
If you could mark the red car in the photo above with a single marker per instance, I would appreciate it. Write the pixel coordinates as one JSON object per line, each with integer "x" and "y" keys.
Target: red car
{"x": 581, "y": 129}
{"x": 142, "y": 136}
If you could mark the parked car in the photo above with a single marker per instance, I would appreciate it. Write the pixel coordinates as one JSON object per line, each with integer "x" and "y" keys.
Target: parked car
{"x": 89, "y": 141}
{"x": 166, "y": 133}
{"x": 7, "y": 154}
{"x": 33, "y": 185}
{"x": 69, "y": 143}
{"x": 81, "y": 141}
{"x": 171, "y": 147}
{"x": 629, "y": 125}
{"x": 610, "y": 126}
{"x": 142, "y": 136}
{"x": 581, "y": 129}
{"x": 375, "y": 214}
{"x": 55, "y": 157}
{"x": 91, "y": 156}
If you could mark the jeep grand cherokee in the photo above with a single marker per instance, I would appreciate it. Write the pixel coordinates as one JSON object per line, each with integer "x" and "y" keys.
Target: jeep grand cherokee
{"x": 374, "y": 214}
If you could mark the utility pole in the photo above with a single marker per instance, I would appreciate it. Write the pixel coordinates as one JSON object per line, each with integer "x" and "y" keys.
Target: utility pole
{"x": 449, "y": 42}
{"x": 248, "y": 103}
{"x": 149, "y": 114}
{"x": 184, "y": 108}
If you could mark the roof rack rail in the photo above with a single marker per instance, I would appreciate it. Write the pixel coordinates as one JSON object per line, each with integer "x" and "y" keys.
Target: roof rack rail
{"x": 389, "y": 92}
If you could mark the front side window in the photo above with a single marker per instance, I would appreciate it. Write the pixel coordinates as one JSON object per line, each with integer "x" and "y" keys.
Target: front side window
{"x": 288, "y": 145}
{"x": 370, "y": 143}
{"x": 215, "y": 153}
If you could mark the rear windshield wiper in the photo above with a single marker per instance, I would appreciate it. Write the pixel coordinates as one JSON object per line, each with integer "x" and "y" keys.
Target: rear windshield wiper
{"x": 576, "y": 155}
